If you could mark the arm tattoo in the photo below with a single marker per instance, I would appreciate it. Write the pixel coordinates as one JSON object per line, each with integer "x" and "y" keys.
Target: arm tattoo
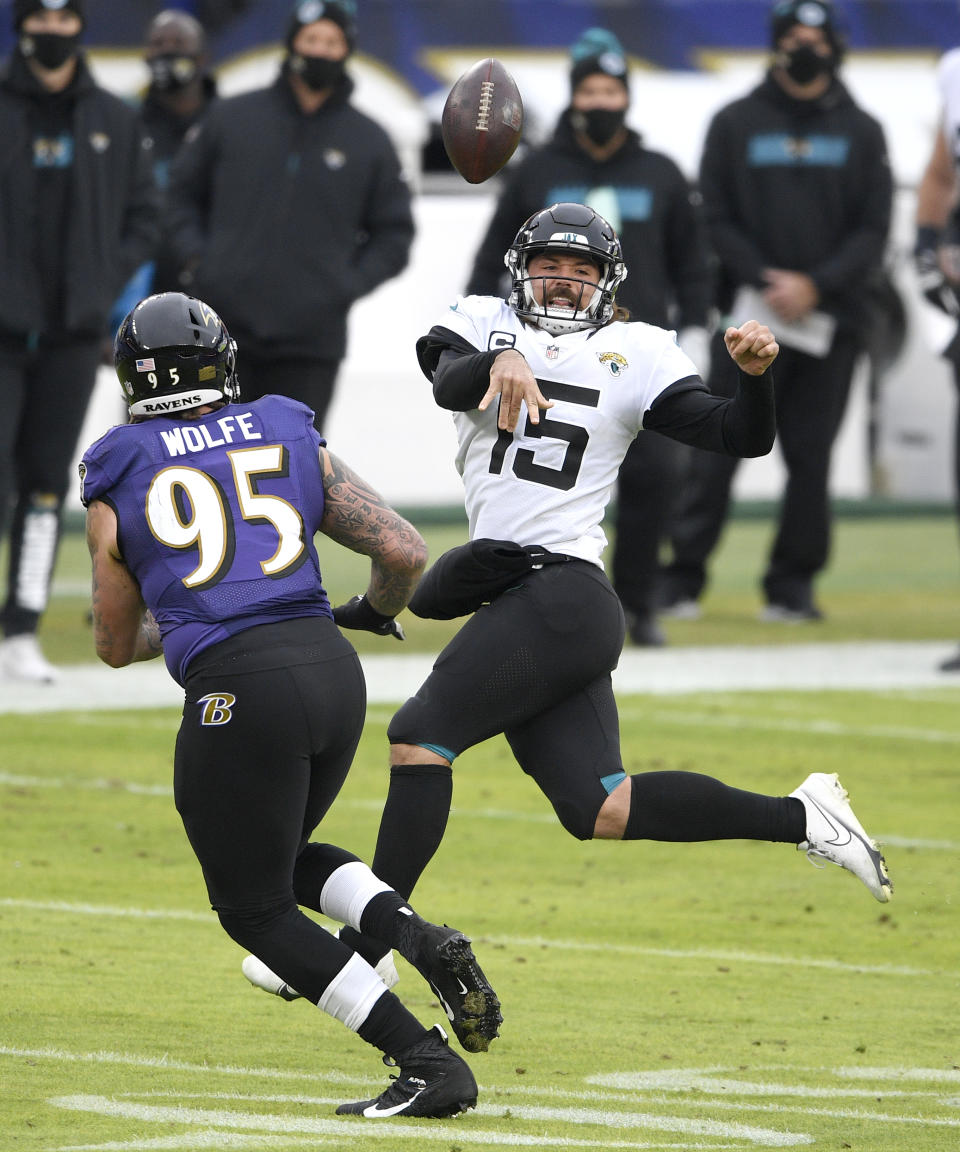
{"x": 103, "y": 637}
{"x": 356, "y": 516}
{"x": 148, "y": 642}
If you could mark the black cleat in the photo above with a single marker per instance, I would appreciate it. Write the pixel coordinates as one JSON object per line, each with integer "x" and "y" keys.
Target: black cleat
{"x": 444, "y": 958}
{"x": 433, "y": 1083}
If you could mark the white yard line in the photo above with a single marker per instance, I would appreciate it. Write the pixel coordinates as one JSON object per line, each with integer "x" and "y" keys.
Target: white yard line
{"x": 712, "y": 955}
{"x": 420, "y": 1133}
{"x": 625, "y": 1104}
{"x": 392, "y": 678}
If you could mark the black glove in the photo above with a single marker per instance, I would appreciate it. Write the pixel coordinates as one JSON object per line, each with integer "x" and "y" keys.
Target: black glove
{"x": 358, "y": 614}
{"x": 933, "y": 283}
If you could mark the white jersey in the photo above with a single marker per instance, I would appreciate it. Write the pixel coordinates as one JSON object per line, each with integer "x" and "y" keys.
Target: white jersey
{"x": 549, "y": 483}
{"x": 948, "y": 79}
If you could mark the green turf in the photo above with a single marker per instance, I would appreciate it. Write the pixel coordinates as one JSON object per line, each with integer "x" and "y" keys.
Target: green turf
{"x": 894, "y": 578}
{"x": 709, "y": 996}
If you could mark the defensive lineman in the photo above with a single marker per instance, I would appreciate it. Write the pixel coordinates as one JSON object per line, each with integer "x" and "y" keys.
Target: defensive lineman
{"x": 201, "y": 515}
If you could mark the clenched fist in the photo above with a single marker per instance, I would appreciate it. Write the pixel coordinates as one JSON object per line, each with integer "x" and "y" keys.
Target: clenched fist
{"x": 752, "y": 347}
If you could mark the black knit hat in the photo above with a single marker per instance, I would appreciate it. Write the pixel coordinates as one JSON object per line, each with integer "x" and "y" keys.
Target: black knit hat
{"x": 24, "y": 8}
{"x": 598, "y": 51}
{"x": 341, "y": 12}
{"x": 811, "y": 13}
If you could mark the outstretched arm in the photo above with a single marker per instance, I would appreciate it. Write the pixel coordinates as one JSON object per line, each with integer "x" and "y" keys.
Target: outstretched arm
{"x": 743, "y": 425}
{"x": 357, "y": 517}
{"x": 124, "y": 629}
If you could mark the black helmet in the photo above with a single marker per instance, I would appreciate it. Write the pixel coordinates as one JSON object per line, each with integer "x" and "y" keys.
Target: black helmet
{"x": 174, "y": 352}
{"x": 566, "y": 228}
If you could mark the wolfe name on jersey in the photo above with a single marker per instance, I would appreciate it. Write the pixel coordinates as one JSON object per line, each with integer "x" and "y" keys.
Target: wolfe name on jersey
{"x": 549, "y": 483}
{"x": 185, "y": 492}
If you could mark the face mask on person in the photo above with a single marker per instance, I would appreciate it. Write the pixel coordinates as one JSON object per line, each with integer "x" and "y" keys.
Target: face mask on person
{"x": 170, "y": 71}
{"x": 599, "y": 124}
{"x": 804, "y": 64}
{"x": 49, "y": 49}
{"x": 318, "y": 72}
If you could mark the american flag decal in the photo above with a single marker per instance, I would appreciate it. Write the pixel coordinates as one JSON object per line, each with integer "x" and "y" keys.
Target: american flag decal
{"x": 146, "y": 365}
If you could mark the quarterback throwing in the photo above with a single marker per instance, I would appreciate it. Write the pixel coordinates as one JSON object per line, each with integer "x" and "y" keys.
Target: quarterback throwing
{"x": 548, "y": 388}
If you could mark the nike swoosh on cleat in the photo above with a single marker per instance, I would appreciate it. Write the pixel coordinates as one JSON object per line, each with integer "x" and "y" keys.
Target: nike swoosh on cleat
{"x": 838, "y": 829}
{"x": 375, "y": 1111}
{"x": 443, "y": 1003}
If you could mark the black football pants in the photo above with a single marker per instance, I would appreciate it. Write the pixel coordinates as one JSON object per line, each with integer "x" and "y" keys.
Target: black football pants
{"x": 535, "y": 664}
{"x": 271, "y": 721}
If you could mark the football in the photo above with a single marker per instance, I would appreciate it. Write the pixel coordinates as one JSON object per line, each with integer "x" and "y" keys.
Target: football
{"x": 482, "y": 120}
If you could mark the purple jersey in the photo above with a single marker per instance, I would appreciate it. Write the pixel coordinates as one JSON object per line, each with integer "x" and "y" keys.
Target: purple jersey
{"x": 216, "y": 518}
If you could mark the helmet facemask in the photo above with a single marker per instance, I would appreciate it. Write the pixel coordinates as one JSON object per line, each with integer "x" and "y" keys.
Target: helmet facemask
{"x": 569, "y": 229}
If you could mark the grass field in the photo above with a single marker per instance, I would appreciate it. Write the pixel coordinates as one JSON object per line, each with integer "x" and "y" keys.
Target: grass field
{"x": 656, "y": 996}
{"x": 893, "y": 578}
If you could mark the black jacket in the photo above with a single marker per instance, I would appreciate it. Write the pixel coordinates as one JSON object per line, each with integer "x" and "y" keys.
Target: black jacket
{"x": 291, "y": 217}
{"x": 659, "y": 226}
{"x": 163, "y": 132}
{"x": 803, "y": 185}
{"x": 110, "y": 223}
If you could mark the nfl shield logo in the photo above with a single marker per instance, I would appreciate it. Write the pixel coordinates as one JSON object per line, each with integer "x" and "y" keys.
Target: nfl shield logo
{"x": 553, "y": 351}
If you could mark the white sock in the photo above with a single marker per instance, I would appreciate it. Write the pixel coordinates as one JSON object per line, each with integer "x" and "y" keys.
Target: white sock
{"x": 348, "y": 891}
{"x": 352, "y": 993}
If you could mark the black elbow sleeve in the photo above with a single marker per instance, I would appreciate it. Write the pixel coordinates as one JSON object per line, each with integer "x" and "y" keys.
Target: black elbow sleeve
{"x": 460, "y": 381}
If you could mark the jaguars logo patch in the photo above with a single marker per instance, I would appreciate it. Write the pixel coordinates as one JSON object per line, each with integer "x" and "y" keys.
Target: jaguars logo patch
{"x": 614, "y": 361}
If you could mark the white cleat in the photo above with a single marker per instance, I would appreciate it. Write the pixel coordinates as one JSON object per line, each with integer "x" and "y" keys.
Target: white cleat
{"x": 262, "y": 977}
{"x": 835, "y": 834}
{"x": 387, "y": 970}
{"x": 21, "y": 659}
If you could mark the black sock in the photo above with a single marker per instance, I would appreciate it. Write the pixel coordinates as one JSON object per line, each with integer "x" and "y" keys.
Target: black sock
{"x": 370, "y": 948}
{"x": 314, "y": 867}
{"x": 390, "y": 1026}
{"x": 413, "y": 822}
{"x": 686, "y": 806}
{"x": 379, "y": 919}
{"x": 411, "y": 828}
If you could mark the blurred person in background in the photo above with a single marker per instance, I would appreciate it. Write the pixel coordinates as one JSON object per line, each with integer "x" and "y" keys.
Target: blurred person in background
{"x": 79, "y": 215}
{"x": 937, "y": 250}
{"x": 594, "y": 158}
{"x": 286, "y": 205}
{"x": 797, "y": 196}
{"x": 214, "y": 14}
{"x": 181, "y": 89}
